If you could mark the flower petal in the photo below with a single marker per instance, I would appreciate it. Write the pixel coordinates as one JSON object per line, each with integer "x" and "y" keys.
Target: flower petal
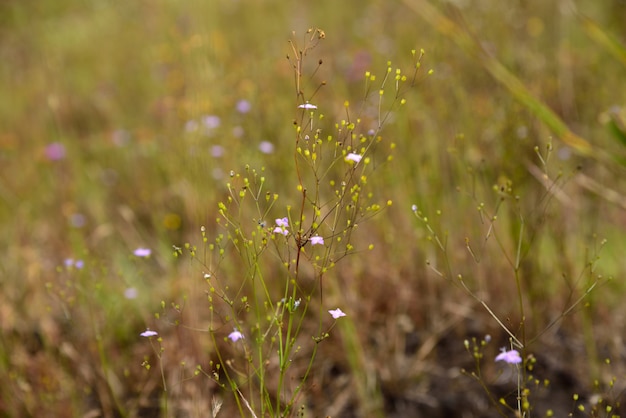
{"x": 235, "y": 336}
{"x": 511, "y": 357}
{"x": 354, "y": 157}
{"x": 149, "y": 333}
{"x": 336, "y": 313}
{"x": 317, "y": 240}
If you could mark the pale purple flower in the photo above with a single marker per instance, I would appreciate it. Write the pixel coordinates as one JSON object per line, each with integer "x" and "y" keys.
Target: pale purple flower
{"x": 142, "y": 252}
{"x": 281, "y": 230}
{"x": 70, "y": 262}
{"x": 511, "y": 357}
{"x": 235, "y": 336}
{"x": 217, "y": 151}
{"x": 307, "y": 105}
{"x": 281, "y": 226}
{"x": 131, "y": 293}
{"x": 317, "y": 240}
{"x": 243, "y": 106}
{"x": 77, "y": 220}
{"x": 149, "y": 333}
{"x": 211, "y": 122}
{"x": 55, "y": 151}
{"x": 266, "y": 147}
{"x": 354, "y": 157}
{"x": 336, "y": 313}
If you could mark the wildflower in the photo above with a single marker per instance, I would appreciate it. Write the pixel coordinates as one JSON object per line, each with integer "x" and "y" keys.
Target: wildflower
{"x": 511, "y": 357}
{"x": 281, "y": 230}
{"x": 77, "y": 220}
{"x": 317, "y": 240}
{"x": 130, "y": 293}
{"x": 142, "y": 252}
{"x": 70, "y": 262}
{"x": 235, "y": 336}
{"x": 149, "y": 333}
{"x": 354, "y": 157}
{"x": 243, "y": 106}
{"x": 55, "y": 151}
{"x": 414, "y": 208}
{"x": 281, "y": 226}
{"x": 266, "y": 147}
{"x": 211, "y": 122}
{"x": 307, "y": 105}
{"x": 336, "y": 313}
{"x": 217, "y": 151}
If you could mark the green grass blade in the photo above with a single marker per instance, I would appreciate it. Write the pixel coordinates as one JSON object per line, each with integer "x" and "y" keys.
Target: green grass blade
{"x": 470, "y": 45}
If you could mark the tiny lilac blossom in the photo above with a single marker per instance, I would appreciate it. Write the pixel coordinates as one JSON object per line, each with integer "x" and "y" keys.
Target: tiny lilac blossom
{"x": 55, "y": 151}
{"x": 243, "y": 106}
{"x": 235, "y": 336}
{"x": 266, "y": 147}
{"x": 336, "y": 313}
{"x": 149, "y": 333}
{"x": 77, "y": 220}
{"x": 353, "y": 157}
{"x": 217, "y": 151}
{"x": 284, "y": 222}
{"x": 511, "y": 357}
{"x": 317, "y": 240}
{"x": 142, "y": 252}
{"x": 211, "y": 122}
{"x": 281, "y": 230}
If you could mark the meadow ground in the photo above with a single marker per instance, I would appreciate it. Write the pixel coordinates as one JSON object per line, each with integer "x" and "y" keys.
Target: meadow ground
{"x": 345, "y": 209}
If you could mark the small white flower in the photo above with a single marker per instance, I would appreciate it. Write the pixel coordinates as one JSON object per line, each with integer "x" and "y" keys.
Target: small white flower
{"x": 307, "y": 105}
{"x": 149, "y": 333}
{"x": 354, "y": 157}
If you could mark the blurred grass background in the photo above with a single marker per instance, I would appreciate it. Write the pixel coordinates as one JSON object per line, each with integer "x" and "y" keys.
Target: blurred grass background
{"x": 142, "y": 97}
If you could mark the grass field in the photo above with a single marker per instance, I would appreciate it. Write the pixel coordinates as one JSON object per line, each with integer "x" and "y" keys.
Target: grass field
{"x": 236, "y": 175}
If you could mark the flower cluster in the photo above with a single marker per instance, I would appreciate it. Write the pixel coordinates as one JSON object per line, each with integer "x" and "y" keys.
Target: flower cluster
{"x": 281, "y": 226}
